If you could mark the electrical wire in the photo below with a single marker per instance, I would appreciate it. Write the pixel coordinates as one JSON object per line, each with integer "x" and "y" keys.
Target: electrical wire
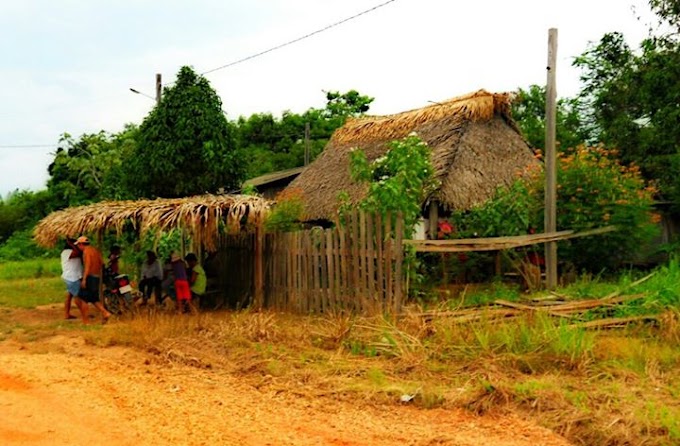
{"x": 306, "y": 36}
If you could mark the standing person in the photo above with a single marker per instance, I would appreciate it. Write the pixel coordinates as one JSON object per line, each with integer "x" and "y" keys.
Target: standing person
{"x": 71, "y": 273}
{"x": 152, "y": 277}
{"x": 182, "y": 290}
{"x": 197, "y": 280}
{"x": 114, "y": 256}
{"x": 93, "y": 265}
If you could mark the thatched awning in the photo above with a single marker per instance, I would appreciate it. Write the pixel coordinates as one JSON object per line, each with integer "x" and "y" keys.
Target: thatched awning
{"x": 203, "y": 217}
{"x": 475, "y": 145}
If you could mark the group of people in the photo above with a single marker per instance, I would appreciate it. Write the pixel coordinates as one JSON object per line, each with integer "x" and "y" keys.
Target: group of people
{"x": 83, "y": 268}
{"x": 186, "y": 281}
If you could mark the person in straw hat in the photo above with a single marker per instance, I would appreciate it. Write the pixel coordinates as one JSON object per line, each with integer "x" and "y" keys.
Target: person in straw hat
{"x": 93, "y": 265}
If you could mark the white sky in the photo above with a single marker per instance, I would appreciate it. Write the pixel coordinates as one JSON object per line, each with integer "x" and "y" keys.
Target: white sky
{"x": 67, "y": 66}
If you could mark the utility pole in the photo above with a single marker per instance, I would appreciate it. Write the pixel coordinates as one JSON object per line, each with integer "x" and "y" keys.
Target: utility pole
{"x": 307, "y": 144}
{"x": 159, "y": 87}
{"x": 550, "y": 162}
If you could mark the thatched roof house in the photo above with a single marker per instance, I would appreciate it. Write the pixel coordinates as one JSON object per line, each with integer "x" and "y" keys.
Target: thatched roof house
{"x": 476, "y": 147}
{"x": 203, "y": 217}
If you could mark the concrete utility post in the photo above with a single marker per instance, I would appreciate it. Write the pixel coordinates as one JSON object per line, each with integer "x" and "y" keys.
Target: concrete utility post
{"x": 550, "y": 162}
{"x": 159, "y": 88}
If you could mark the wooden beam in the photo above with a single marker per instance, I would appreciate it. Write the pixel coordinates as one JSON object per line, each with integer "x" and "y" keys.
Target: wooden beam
{"x": 500, "y": 243}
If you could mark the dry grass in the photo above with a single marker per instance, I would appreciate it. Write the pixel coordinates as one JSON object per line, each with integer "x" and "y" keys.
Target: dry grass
{"x": 610, "y": 388}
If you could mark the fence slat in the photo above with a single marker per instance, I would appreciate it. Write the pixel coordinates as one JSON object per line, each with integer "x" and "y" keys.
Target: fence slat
{"x": 380, "y": 277}
{"x": 324, "y": 258}
{"x": 398, "y": 261}
{"x": 389, "y": 295}
{"x": 370, "y": 257}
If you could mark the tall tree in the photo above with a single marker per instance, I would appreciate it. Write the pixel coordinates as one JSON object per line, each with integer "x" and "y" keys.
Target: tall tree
{"x": 186, "y": 145}
{"x": 632, "y": 98}
{"x": 272, "y": 143}
{"x": 87, "y": 169}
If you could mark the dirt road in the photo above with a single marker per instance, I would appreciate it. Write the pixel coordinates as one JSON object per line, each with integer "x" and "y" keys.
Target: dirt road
{"x": 63, "y": 392}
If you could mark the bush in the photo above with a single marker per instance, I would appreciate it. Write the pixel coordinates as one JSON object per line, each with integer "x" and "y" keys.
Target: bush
{"x": 287, "y": 213}
{"x": 594, "y": 190}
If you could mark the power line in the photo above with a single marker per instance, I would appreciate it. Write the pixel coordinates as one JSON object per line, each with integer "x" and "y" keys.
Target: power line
{"x": 306, "y": 36}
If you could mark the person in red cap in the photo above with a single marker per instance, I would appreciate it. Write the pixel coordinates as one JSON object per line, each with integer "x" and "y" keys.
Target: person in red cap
{"x": 93, "y": 264}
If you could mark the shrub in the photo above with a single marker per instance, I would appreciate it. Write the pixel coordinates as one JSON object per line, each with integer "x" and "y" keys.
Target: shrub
{"x": 594, "y": 190}
{"x": 287, "y": 213}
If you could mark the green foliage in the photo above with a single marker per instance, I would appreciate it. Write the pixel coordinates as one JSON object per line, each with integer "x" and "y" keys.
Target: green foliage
{"x": 287, "y": 214}
{"x": 20, "y": 246}
{"x": 186, "y": 145}
{"x": 351, "y": 103}
{"x": 90, "y": 168}
{"x": 271, "y": 144}
{"x": 398, "y": 182}
{"x": 630, "y": 101}
{"x": 594, "y": 190}
{"x": 528, "y": 110}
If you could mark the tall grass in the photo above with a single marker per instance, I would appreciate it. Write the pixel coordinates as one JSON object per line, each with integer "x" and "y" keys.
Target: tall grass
{"x": 30, "y": 269}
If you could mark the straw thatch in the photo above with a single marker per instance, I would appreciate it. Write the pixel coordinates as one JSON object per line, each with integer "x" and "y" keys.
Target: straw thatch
{"x": 202, "y": 217}
{"x": 476, "y": 147}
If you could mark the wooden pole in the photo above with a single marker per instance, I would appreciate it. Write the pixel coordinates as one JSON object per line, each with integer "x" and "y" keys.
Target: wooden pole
{"x": 307, "y": 144}
{"x": 550, "y": 162}
{"x": 158, "y": 88}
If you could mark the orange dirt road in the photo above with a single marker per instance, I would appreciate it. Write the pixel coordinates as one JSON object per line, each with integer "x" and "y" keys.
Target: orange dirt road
{"x": 63, "y": 392}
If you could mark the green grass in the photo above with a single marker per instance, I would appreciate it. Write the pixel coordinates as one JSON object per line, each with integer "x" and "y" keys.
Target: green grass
{"x": 27, "y": 269}
{"x": 30, "y": 293}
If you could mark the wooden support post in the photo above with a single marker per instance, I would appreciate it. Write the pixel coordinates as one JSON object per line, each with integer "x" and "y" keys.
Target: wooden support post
{"x": 259, "y": 270}
{"x": 433, "y": 219}
{"x": 550, "y": 163}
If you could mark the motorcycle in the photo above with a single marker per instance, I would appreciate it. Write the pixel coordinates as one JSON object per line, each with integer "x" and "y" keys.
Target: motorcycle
{"x": 117, "y": 292}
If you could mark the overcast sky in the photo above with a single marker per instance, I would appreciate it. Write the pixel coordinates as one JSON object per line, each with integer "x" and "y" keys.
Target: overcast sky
{"x": 67, "y": 65}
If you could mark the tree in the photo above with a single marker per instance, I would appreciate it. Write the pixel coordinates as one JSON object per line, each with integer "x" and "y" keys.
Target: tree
{"x": 528, "y": 110}
{"x": 90, "y": 168}
{"x": 631, "y": 99}
{"x": 272, "y": 144}
{"x": 186, "y": 145}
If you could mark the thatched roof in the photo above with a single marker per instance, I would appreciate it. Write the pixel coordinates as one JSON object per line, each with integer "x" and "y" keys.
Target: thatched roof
{"x": 203, "y": 217}
{"x": 476, "y": 147}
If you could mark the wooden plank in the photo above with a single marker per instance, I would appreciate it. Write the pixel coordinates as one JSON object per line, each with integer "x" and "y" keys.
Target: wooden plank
{"x": 370, "y": 257}
{"x": 354, "y": 237}
{"x": 330, "y": 256}
{"x": 259, "y": 272}
{"x": 389, "y": 248}
{"x": 311, "y": 295}
{"x": 518, "y": 306}
{"x": 290, "y": 274}
{"x": 380, "y": 259}
{"x": 344, "y": 267}
{"x": 398, "y": 261}
{"x": 499, "y": 243}
{"x": 316, "y": 273}
{"x": 362, "y": 264}
{"x": 615, "y": 322}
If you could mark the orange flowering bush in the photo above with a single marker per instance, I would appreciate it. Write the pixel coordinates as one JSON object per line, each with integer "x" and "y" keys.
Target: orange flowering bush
{"x": 593, "y": 190}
